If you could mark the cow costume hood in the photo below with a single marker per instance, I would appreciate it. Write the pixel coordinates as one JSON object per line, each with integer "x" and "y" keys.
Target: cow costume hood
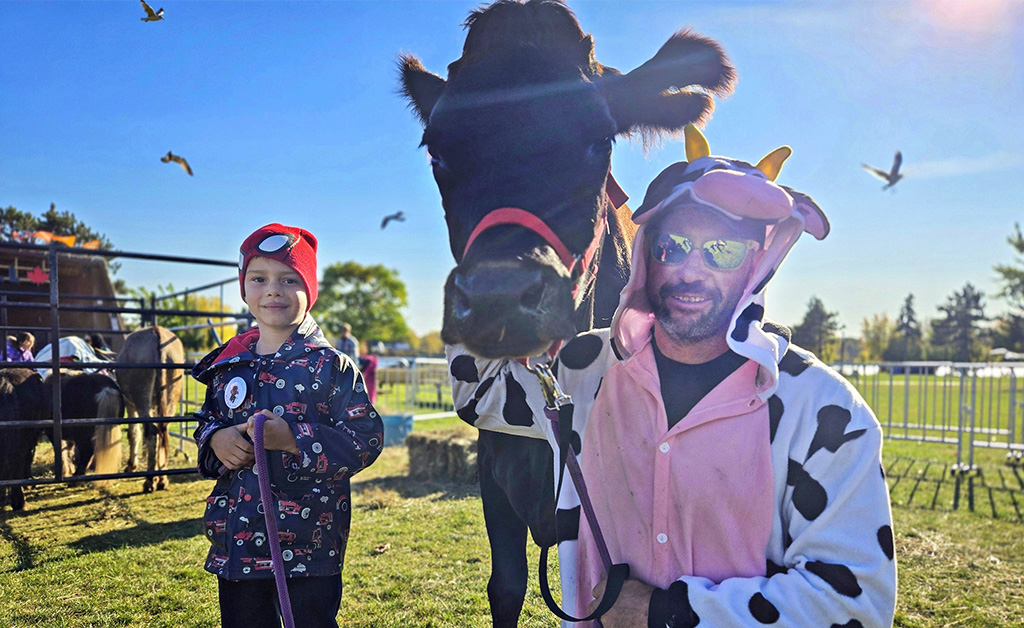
{"x": 741, "y": 192}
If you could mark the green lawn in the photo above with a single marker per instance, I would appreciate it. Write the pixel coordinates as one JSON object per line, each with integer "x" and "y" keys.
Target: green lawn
{"x": 83, "y": 557}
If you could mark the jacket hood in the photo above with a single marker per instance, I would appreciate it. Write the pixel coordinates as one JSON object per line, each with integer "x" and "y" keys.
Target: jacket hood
{"x": 740, "y": 191}
{"x": 306, "y": 338}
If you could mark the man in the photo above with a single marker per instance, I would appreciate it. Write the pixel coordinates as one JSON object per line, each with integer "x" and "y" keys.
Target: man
{"x": 348, "y": 344}
{"x": 737, "y": 476}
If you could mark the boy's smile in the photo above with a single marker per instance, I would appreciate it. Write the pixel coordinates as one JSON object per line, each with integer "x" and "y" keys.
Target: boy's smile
{"x": 276, "y": 295}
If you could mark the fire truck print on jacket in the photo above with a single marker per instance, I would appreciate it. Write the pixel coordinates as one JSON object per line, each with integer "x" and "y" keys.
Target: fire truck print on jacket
{"x": 319, "y": 391}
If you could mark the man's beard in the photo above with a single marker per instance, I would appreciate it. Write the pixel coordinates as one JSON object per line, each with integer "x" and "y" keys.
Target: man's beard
{"x": 714, "y": 323}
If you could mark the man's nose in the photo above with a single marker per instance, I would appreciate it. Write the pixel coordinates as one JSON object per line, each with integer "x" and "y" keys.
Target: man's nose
{"x": 692, "y": 266}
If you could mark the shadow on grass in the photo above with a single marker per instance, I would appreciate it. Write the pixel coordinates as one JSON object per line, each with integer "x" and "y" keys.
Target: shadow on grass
{"x": 409, "y": 487}
{"x": 140, "y": 535}
{"x": 23, "y": 554}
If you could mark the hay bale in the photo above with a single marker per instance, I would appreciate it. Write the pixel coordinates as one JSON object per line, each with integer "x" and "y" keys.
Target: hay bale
{"x": 442, "y": 455}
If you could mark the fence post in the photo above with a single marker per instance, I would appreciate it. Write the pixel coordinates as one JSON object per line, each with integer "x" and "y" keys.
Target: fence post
{"x": 974, "y": 406}
{"x": 58, "y": 431}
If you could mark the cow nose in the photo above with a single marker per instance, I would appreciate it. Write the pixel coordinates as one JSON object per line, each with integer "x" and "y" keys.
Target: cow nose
{"x": 489, "y": 292}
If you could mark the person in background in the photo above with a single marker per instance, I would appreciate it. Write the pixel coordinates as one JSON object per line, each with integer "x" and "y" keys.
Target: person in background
{"x": 368, "y": 366}
{"x": 348, "y": 344}
{"x": 19, "y": 347}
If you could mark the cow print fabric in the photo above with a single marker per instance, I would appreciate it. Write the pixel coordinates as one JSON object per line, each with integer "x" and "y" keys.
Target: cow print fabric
{"x": 463, "y": 368}
{"x": 832, "y": 422}
{"x": 517, "y": 409}
{"x": 763, "y": 610}
{"x": 671, "y": 607}
{"x": 580, "y": 352}
{"x": 839, "y": 577}
{"x": 753, "y": 312}
{"x": 809, "y": 496}
{"x": 885, "y": 541}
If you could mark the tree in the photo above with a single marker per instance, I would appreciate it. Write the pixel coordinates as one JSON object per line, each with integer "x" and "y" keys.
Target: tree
{"x": 906, "y": 342}
{"x": 58, "y": 223}
{"x": 368, "y": 298}
{"x": 876, "y": 334}
{"x": 958, "y": 334}
{"x": 817, "y": 332}
{"x": 1009, "y": 328}
{"x": 430, "y": 344}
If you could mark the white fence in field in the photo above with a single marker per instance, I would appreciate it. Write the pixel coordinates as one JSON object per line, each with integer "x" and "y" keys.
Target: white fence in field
{"x": 969, "y": 404}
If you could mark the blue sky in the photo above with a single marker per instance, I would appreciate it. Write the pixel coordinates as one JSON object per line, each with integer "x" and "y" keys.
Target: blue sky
{"x": 287, "y": 111}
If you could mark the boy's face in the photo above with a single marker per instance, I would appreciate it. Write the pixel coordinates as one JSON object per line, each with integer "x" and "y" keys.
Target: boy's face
{"x": 275, "y": 294}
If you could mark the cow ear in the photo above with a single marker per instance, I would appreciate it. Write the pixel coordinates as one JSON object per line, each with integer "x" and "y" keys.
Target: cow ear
{"x": 672, "y": 89}
{"x": 420, "y": 87}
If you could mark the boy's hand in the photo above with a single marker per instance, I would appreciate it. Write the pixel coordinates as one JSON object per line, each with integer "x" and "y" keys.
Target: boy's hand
{"x": 231, "y": 447}
{"x": 277, "y": 433}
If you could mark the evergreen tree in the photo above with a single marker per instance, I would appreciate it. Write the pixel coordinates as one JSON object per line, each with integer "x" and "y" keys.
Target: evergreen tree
{"x": 906, "y": 342}
{"x": 817, "y": 332}
{"x": 1009, "y": 328}
{"x": 958, "y": 333}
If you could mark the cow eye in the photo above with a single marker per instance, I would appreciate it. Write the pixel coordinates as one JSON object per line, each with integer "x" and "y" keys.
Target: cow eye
{"x": 600, "y": 149}
{"x": 436, "y": 161}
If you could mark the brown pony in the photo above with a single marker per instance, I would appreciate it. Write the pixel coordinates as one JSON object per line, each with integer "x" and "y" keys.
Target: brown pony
{"x": 148, "y": 388}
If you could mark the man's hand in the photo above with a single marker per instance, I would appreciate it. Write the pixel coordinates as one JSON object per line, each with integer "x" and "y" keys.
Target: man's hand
{"x": 277, "y": 433}
{"x": 630, "y": 609}
{"x": 231, "y": 447}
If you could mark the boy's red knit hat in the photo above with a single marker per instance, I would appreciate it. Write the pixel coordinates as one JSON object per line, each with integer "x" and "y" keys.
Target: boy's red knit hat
{"x": 292, "y": 246}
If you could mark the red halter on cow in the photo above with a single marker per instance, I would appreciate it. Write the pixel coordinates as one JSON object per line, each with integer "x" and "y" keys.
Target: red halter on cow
{"x": 520, "y": 137}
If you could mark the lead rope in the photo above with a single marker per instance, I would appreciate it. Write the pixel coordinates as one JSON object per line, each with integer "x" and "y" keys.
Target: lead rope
{"x": 559, "y": 409}
{"x": 267, "y": 498}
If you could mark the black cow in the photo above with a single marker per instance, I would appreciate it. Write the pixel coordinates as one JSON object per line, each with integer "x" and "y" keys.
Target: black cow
{"x": 525, "y": 123}
{"x": 23, "y": 397}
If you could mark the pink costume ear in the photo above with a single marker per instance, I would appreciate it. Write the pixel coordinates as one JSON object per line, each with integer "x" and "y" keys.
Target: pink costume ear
{"x": 744, "y": 195}
{"x": 815, "y": 222}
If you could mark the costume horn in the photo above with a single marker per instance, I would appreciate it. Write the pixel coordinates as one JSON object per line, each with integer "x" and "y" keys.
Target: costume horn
{"x": 771, "y": 164}
{"x": 696, "y": 143}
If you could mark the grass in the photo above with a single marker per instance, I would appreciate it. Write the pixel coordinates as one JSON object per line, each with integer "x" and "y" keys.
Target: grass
{"x": 81, "y": 556}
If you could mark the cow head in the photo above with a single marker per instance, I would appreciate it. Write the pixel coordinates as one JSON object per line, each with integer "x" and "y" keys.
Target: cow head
{"x": 526, "y": 120}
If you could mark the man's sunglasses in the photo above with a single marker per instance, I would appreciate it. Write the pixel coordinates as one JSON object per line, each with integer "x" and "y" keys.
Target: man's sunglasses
{"x": 718, "y": 253}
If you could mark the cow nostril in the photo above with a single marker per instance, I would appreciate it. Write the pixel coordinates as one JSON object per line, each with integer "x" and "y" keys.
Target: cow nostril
{"x": 532, "y": 297}
{"x": 461, "y": 305}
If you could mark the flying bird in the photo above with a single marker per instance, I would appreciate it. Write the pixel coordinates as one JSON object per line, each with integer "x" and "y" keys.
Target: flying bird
{"x": 399, "y": 216}
{"x": 890, "y": 177}
{"x": 169, "y": 157}
{"x": 151, "y": 16}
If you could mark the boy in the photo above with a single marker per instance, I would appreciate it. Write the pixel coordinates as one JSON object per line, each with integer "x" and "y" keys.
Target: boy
{"x": 319, "y": 431}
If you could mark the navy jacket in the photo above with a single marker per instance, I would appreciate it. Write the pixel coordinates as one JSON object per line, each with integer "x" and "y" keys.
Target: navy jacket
{"x": 320, "y": 392}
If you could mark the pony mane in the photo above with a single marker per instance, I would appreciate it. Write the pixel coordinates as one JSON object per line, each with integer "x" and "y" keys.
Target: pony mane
{"x": 505, "y": 24}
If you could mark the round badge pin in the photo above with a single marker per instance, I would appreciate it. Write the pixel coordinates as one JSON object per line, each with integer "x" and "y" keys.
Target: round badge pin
{"x": 234, "y": 392}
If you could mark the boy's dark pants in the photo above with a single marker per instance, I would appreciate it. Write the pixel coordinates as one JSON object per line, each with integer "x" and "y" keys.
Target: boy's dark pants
{"x": 253, "y": 603}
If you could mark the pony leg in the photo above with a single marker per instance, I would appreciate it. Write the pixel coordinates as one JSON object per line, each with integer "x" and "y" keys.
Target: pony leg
{"x": 150, "y": 481}
{"x": 162, "y": 443}
{"x": 506, "y": 533}
{"x": 134, "y": 438}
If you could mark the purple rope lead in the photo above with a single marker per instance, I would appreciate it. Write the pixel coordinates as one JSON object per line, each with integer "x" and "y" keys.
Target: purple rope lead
{"x": 263, "y": 475}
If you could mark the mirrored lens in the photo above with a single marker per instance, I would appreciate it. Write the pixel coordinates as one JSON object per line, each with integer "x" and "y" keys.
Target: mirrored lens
{"x": 669, "y": 248}
{"x": 273, "y": 243}
{"x": 724, "y": 254}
